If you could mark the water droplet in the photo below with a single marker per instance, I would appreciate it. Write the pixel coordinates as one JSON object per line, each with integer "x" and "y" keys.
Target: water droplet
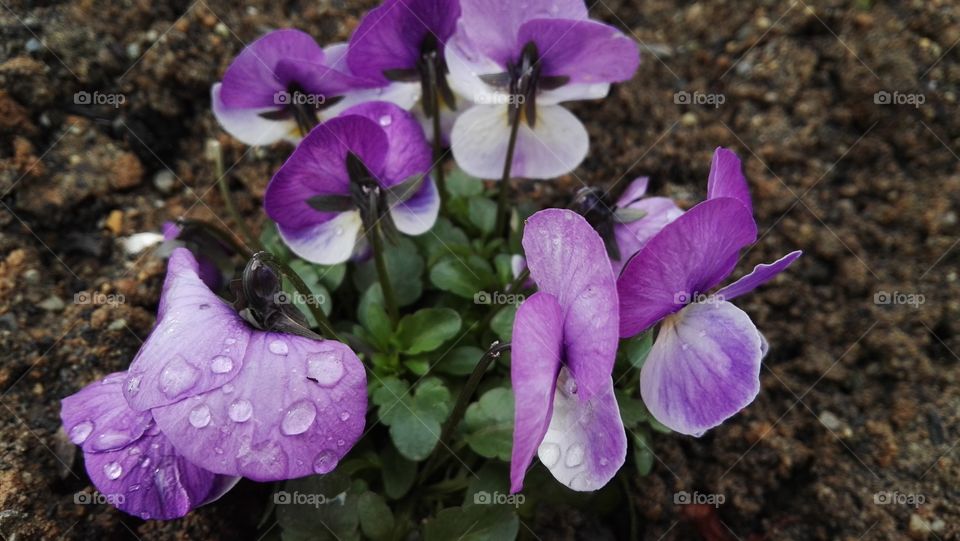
{"x": 240, "y": 411}
{"x": 218, "y": 450}
{"x": 133, "y": 385}
{"x": 338, "y": 231}
{"x": 344, "y": 416}
{"x": 204, "y": 306}
{"x": 386, "y": 120}
{"x": 325, "y": 462}
{"x": 279, "y": 347}
{"x": 113, "y": 470}
{"x": 177, "y": 377}
{"x": 341, "y": 443}
{"x": 134, "y": 451}
{"x": 298, "y": 418}
{"x": 80, "y": 432}
{"x": 230, "y": 341}
{"x": 227, "y": 389}
{"x": 133, "y": 488}
{"x": 549, "y": 454}
{"x": 111, "y": 439}
{"x": 200, "y": 416}
{"x": 570, "y": 386}
{"x": 574, "y": 456}
{"x": 325, "y": 368}
{"x": 145, "y": 463}
{"x": 702, "y": 334}
{"x": 604, "y": 461}
{"x": 221, "y": 364}
{"x": 684, "y": 346}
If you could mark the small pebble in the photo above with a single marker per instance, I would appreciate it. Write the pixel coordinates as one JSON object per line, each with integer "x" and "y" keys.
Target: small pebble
{"x": 165, "y": 181}
{"x": 52, "y": 303}
{"x": 830, "y": 420}
{"x": 688, "y": 119}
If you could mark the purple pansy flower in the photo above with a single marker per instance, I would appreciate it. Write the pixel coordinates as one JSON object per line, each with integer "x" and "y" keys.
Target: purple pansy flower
{"x": 402, "y": 42}
{"x": 525, "y": 58}
{"x": 209, "y": 399}
{"x": 705, "y": 363}
{"x": 372, "y": 155}
{"x": 564, "y": 345}
{"x": 281, "y": 85}
{"x": 631, "y": 236}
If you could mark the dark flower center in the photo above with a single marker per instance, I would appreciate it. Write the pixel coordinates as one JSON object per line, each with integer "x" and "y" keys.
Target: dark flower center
{"x": 522, "y": 81}
{"x": 431, "y": 70}
{"x": 301, "y": 106}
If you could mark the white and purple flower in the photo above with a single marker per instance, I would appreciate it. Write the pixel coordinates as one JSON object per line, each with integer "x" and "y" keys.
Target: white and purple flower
{"x": 704, "y": 366}
{"x": 565, "y": 340}
{"x": 520, "y": 61}
{"x": 371, "y": 164}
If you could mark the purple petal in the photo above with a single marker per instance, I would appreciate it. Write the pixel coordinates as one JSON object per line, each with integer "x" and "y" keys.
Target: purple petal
{"x": 408, "y": 152}
{"x": 535, "y": 355}
{"x": 726, "y": 178}
{"x": 635, "y": 190}
{"x": 703, "y": 368}
{"x": 583, "y": 50}
{"x": 493, "y": 24}
{"x": 688, "y": 257}
{"x": 632, "y": 237}
{"x": 248, "y": 126}
{"x": 318, "y": 167}
{"x": 556, "y": 145}
{"x": 390, "y": 36}
{"x": 296, "y": 408}
{"x": 759, "y": 276}
{"x": 145, "y": 476}
{"x": 417, "y": 214}
{"x": 329, "y": 243}
{"x": 568, "y": 260}
{"x": 586, "y": 443}
{"x": 198, "y": 342}
{"x": 93, "y": 419}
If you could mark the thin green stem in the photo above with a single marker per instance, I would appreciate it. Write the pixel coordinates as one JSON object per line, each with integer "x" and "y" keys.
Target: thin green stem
{"x": 503, "y": 212}
{"x": 438, "y": 149}
{"x": 380, "y": 258}
{"x": 214, "y": 149}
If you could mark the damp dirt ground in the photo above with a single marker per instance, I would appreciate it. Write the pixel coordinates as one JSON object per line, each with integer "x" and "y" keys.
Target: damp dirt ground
{"x": 845, "y": 114}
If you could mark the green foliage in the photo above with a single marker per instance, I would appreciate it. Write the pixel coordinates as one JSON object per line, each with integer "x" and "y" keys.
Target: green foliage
{"x": 414, "y": 417}
{"x": 488, "y": 424}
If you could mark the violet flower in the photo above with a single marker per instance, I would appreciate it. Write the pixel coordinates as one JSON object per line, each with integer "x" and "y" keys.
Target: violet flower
{"x": 369, "y": 165}
{"x": 705, "y": 363}
{"x": 209, "y": 396}
{"x": 402, "y": 42}
{"x": 517, "y": 61}
{"x": 562, "y": 355}
{"x": 283, "y": 84}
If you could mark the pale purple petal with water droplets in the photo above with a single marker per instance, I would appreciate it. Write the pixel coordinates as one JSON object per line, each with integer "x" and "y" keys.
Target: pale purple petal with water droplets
{"x": 703, "y": 368}
{"x": 145, "y": 476}
{"x": 198, "y": 342}
{"x": 760, "y": 275}
{"x": 726, "y": 178}
{"x": 295, "y": 409}
{"x": 535, "y": 357}
{"x": 687, "y": 257}
{"x": 585, "y": 444}
{"x": 568, "y": 259}
{"x": 93, "y": 420}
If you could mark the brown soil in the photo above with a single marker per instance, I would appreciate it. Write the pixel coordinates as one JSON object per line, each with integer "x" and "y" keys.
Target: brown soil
{"x": 858, "y": 396}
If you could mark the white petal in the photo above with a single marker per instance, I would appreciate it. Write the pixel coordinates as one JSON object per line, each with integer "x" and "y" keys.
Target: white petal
{"x": 416, "y": 216}
{"x": 248, "y": 126}
{"x": 572, "y": 92}
{"x": 328, "y": 243}
{"x": 404, "y": 95}
{"x": 466, "y": 66}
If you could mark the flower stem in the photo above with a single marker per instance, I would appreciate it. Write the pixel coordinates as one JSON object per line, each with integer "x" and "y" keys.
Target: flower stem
{"x": 463, "y": 400}
{"x": 214, "y": 152}
{"x": 326, "y": 328}
{"x": 380, "y": 258}
{"x": 437, "y": 147}
{"x": 503, "y": 213}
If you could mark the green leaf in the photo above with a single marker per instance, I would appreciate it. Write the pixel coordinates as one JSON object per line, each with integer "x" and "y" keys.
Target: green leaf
{"x": 376, "y": 519}
{"x": 271, "y": 241}
{"x": 374, "y": 317}
{"x": 317, "y": 507}
{"x": 398, "y": 473}
{"x": 473, "y": 523}
{"x": 418, "y": 366}
{"x": 444, "y": 239}
{"x": 414, "y": 420}
{"x": 502, "y": 322}
{"x": 405, "y": 267}
{"x": 642, "y": 451}
{"x": 503, "y": 263}
{"x": 632, "y": 410}
{"x": 427, "y": 329}
{"x": 636, "y": 349}
{"x": 460, "y": 361}
{"x": 488, "y": 424}
{"x": 330, "y": 276}
{"x": 464, "y": 277}
{"x": 483, "y": 214}
{"x": 462, "y": 185}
